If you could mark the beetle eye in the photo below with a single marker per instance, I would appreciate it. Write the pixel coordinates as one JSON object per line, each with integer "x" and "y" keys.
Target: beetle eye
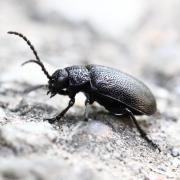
{"x": 52, "y": 81}
{"x": 60, "y": 79}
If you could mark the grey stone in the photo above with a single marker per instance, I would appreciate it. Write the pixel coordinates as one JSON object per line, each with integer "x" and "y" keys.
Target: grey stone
{"x": 27, "y": 137}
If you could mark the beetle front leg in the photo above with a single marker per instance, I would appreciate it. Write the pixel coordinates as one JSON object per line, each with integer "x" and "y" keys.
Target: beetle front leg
{"x": 59, "y": 116}
{"x": 34, "y": 88}
{"x": 141, "y": 131}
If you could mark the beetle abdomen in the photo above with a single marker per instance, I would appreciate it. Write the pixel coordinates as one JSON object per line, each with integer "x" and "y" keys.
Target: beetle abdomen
{"x": 112, "y": 105}
{"x": 123, "y": 88}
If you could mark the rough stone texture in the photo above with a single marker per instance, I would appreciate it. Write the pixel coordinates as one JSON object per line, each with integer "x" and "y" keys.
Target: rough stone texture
{"x": 147, "y": 47}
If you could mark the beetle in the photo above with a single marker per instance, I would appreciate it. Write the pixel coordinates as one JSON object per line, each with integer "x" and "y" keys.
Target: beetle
{"x": 118, "y": 92}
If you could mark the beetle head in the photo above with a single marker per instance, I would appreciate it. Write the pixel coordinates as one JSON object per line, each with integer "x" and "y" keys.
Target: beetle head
{"x": 58, "y": 81}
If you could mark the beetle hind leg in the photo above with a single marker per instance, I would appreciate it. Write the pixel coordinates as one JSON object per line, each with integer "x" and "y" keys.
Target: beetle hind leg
{"x": 141, "y": 131}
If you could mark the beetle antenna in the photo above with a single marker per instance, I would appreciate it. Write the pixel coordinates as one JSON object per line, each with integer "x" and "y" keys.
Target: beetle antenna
{"x": 28, "y": 42}
{"x": 40, "y": 64}
{"x": 37, "y": 61}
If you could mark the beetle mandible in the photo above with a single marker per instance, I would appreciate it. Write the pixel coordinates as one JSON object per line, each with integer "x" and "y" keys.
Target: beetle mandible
{"x": 118, "y": 92}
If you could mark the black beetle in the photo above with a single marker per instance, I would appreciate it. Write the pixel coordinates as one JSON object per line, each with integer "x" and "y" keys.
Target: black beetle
{"x": 118, "y": 92}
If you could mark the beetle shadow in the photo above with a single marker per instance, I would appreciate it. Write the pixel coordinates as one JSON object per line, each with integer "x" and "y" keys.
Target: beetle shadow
{"x": 117, "y": 123}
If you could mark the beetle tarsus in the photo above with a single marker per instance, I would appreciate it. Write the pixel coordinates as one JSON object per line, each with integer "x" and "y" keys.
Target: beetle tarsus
{"x": 141, "y": 131}
{"x": 50, "y": 120}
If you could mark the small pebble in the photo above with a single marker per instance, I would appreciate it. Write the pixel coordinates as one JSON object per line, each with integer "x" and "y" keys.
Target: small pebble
{"x": 175, "y": 152}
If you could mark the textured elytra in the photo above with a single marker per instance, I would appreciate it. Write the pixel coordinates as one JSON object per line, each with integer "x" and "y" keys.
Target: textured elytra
{"x": 123, "y": 88}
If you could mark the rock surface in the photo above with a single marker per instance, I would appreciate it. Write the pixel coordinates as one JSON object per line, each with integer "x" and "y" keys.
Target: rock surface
{"x": 105, "y": 147}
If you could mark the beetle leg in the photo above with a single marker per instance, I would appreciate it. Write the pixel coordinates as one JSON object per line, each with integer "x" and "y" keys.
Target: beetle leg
{"x": 141, "y": 131}
{"x": 59, "y": 116}
{"x": 89, "y": 101}
{"x": 86, "y": 112}
{"x": 63, "y": 92}
{"x": 33, "y": 88}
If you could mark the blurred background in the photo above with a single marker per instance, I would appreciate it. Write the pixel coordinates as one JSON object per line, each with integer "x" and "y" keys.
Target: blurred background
{"x": 138, "y": 37}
